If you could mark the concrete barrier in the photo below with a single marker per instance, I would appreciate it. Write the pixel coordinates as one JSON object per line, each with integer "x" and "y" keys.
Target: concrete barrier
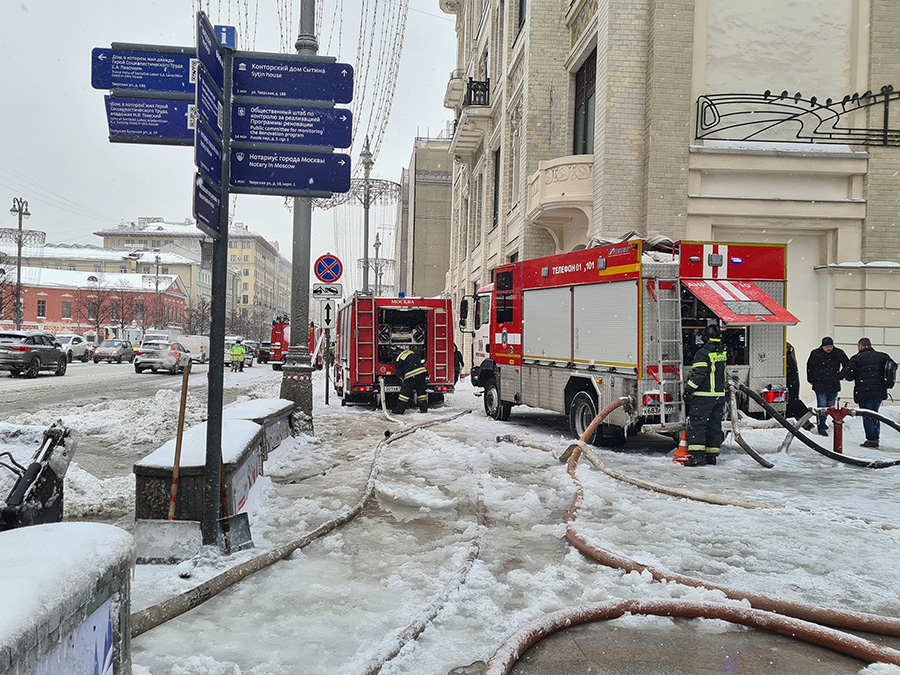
{"x": 250, "y": 430}
{"x": 66, "y": 599}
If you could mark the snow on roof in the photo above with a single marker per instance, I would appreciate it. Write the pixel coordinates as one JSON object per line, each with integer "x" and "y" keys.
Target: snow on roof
{"x": 236, "y": 436}
{"x": 42, "y": 565}
{"x": 875, "y": 264}
{"x": 47, "y": 278}
{"x": 90, "y": 252}
{"x": 776, "y": 148}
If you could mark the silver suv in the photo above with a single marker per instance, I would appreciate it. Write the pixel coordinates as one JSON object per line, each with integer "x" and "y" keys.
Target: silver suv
{"x": 30, "y": 351}
{"x": 75, "y": 346}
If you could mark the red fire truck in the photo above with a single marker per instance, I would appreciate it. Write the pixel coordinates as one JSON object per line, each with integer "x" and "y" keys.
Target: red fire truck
{"x": 370, "y": 333}
{"x": 281, "y": 339}
{"x": 576, "y": 331}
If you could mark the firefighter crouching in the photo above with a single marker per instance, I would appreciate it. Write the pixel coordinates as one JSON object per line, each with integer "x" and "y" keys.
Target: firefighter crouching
{"x": 410, "y": 368}
{"x": 704, "y": 396}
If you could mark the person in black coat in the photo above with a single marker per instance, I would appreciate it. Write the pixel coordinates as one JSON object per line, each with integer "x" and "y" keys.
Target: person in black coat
{"x": 825, "y": 367}
{"x": 866, "y": 370}
{"x": 795, "y": 407}
{"x": 458, "y": 363}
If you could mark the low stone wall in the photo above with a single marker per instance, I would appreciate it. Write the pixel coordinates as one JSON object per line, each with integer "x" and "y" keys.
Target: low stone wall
{"x": 250, "y": 430}
{"x": 66, "y": 599}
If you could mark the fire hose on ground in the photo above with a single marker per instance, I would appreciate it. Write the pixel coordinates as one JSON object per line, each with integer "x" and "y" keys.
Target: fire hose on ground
{"x": 795, "y": 432}
{"x": 804, "y": 621}
{"x": 153, "y": 616}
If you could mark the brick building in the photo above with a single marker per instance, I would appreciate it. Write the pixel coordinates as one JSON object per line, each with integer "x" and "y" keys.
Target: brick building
{"x": 585, "y": 119}
{"x": 95, "y": 305}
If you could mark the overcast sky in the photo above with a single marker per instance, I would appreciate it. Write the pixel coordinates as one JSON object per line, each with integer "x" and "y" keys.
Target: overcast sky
{"x": 54, "y": 147}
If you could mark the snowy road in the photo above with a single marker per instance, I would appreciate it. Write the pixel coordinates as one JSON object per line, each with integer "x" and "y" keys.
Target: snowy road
{"x": 335, "y": 605}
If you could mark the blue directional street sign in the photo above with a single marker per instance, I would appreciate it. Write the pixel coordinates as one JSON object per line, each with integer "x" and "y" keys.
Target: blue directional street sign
{"x": 289, "y": 125}
{"x": 137, "y": 70}
{"x": 209, "y": 53}
{"x": 208, "y": 155}
{"x": 148, "y": 120}
{"x": 209, "y": 103}
{"x": 288, "y": 173}
{"x": 292, "y": 78}
{"x": 207, "y": 206}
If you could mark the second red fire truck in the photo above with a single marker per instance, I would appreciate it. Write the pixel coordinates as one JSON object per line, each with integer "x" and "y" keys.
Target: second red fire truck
{"x": 576, "y": 331}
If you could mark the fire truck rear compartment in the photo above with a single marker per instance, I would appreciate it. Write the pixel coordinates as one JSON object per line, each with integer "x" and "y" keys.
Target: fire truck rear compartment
{"x": 399, "y": 329}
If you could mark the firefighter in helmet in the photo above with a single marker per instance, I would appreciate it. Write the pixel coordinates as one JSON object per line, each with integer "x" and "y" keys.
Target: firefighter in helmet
{"x": 704, "y": 397}
{"x": 410, "y": 368}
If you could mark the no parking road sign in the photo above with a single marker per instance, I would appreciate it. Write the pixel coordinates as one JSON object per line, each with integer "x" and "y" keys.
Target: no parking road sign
{"x": 328, "y": 268}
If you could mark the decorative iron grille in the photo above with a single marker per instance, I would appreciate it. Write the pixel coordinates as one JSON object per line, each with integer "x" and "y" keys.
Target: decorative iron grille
{"x": 478, "y": 92}
{"x": 779, "y": 118}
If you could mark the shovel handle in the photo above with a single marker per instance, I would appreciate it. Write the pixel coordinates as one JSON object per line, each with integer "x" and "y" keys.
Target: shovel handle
{"x": 178, "y": 436}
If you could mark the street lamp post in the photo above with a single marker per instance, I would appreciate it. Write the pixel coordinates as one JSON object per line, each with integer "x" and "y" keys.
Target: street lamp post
{"x": 20, "y": 207}
{"x": 368, "y": 162}
{"x": 156, "y": 312}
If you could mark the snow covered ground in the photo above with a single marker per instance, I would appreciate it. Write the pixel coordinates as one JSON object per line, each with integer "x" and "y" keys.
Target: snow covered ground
{"x": 334, "y": 605}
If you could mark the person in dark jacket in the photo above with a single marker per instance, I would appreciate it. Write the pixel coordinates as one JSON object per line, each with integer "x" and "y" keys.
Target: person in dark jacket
{"x": 866, "y": 370}
{"x": 410, "y": 368}
{"x": 825, "y": 367}
{"x": 795, "y": 407}
{"x": 704, "y": 395}
{"x": 458, "y": 363}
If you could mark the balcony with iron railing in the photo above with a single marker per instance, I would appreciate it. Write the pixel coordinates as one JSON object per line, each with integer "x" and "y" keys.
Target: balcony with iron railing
{"x": 474, "y": 120}
{"x": 453, "y": 97}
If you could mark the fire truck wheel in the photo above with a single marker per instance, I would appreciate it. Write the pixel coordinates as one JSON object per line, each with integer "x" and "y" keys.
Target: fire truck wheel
{"x": 581, "y": 413}
{"x": 493, "y": 406}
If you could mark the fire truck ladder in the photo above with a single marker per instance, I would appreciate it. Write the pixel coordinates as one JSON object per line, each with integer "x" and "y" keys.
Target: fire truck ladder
{"x": 441, "y": 348}
{"x": 669, "y": 350}
{"x": 364, "y": 340}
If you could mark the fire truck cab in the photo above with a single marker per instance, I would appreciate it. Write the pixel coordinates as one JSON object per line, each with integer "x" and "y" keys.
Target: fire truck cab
{"x": 370, "y": 333}
{"x": 576, "y": 331}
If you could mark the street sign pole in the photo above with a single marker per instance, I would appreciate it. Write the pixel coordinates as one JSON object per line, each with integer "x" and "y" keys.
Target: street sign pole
{"x": 327, "y": 361}
{"x": 215, "y": 396}
{"x": 296, "y": 384}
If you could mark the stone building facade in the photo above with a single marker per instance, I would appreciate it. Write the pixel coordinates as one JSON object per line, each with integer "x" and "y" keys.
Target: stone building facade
{"x": 694, "y": 119}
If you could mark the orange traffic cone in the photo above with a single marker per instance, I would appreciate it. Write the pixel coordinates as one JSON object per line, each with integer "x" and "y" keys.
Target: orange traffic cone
{"x": 681, "y": 454}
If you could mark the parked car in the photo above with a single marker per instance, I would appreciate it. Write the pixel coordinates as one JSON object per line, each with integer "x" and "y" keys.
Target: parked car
{"x": 30, "y": 351}
{"x": 229, "y": 343}
{"x": 75, "y": 347}
{"x": 114, "y": 350}
{"x": 264, "y": 352}
{"x": 198, "y": 346}
{"x": 252, "y": 347}
{"x": 169, "y": 356}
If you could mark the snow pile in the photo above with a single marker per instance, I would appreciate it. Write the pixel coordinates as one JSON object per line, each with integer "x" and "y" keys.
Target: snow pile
{"x": 122, "y": 424}
{"x": 87, "y": 497}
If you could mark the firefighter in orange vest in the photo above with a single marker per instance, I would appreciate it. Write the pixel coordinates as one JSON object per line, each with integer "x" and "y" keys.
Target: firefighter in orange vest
{"x": 704, "y": 396}
{"x": 410, "y": 368}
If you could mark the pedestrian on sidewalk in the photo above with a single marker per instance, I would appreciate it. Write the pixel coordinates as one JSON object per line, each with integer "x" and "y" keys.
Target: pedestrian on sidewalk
{"x": 704, "y": 396}
{"x": 795, "y": 407}
{"x": 825, "y": 368}
{"x": 866, "y": 370}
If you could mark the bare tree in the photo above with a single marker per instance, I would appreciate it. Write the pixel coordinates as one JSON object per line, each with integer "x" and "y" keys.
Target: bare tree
{"x": 96, "y": 300}
{"x": 197, "y": 316}
{"x": 122, "y": 312}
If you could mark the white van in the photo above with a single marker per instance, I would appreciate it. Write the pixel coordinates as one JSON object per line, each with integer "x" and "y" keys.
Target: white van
{"x": 198, "y": 345}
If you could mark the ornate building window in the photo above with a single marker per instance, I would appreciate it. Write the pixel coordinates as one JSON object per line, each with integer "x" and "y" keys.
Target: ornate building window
{"x": 585, "y": 82}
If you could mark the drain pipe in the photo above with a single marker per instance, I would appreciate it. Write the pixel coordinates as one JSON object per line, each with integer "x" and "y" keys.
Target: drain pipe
{"x": 509, "y": 652}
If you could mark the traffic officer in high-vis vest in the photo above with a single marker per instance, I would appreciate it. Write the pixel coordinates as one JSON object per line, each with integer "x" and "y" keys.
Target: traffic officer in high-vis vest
{"x": 704, "y": 396}
{"x": 410, "y": 368}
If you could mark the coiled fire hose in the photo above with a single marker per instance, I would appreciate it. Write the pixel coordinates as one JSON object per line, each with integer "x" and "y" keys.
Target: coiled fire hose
{"x": 765, "y": 612}
{"x": 153, "y": 616}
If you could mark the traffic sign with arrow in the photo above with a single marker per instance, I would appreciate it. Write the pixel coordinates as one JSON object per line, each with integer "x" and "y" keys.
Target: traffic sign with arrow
{"x": 329, "y": 314}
